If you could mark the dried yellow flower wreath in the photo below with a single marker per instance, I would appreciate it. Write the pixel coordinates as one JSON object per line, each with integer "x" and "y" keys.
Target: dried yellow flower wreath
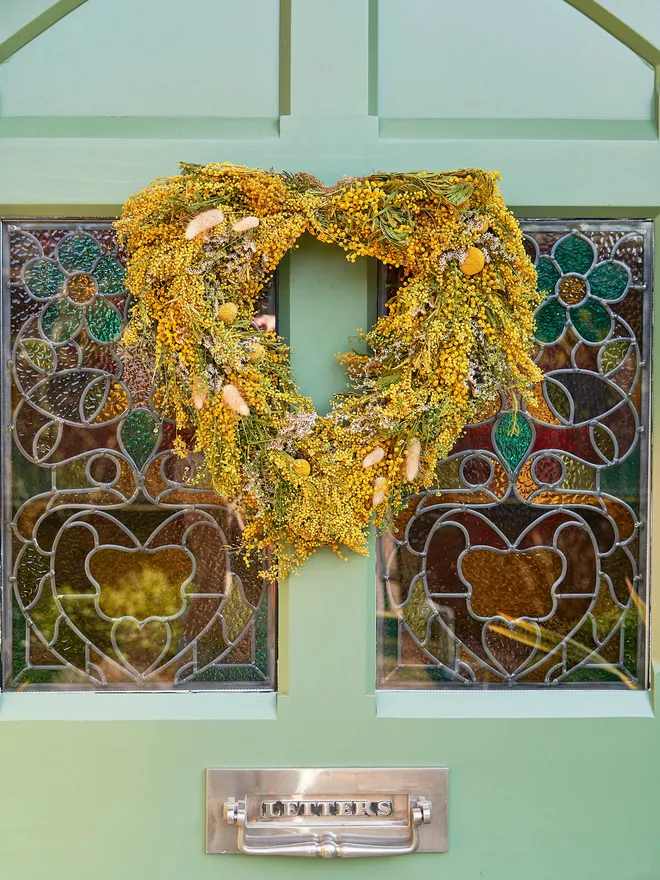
{"x": 201, "y": 247}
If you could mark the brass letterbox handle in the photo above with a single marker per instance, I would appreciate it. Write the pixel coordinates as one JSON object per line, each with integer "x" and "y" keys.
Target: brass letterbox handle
{"x": 327, "y": 842}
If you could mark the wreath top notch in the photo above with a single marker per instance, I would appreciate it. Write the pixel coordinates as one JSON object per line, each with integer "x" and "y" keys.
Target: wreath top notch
{"x": 202, "y": 246}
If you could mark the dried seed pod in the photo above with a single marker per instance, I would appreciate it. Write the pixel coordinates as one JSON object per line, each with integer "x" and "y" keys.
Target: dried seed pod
{"x": 204, "y": 221}
{"x": 379, "y": 491}
{"x": 413, "y": 453}
{"x": 376, "y": 455}
{"x": 234, "y": 400}
{"x": 473, "y": 261}
{"x": 257, "y": 352}
{"x": 245, "y": 224}
{"x": 227, "y": 313}
{"x": 199, "y": 392}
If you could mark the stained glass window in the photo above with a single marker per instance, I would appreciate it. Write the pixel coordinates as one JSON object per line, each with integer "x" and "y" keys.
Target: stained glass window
{"x": 525, "y": 563}
{"x": 119, "y": 564}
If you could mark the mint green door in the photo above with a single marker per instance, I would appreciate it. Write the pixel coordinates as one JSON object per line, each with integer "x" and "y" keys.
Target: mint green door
{"x": 99, "y": 97}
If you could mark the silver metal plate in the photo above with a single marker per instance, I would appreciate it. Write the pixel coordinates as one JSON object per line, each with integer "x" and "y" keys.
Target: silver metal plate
{"x": 347, "y": 811}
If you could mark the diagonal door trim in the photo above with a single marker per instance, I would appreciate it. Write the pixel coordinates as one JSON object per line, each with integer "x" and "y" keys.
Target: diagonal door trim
{"x": 33, "y": 27}
{"x": 627, "y": 35}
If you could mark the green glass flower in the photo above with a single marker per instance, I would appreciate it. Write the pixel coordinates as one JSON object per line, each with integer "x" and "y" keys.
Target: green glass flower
{"x": 75, "y": 283}
{"x": 579, "y": 289}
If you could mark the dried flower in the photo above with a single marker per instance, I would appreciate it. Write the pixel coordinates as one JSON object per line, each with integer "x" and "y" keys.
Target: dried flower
{"x": 234, "y": 400}
{"x": 473, "y": 262}
{"x": 376, "y": 455}
{"x": 227, "y": 312}
{"x": 302, "y": 467}
{"x": 245, "y": 224}
{"x": 379, "y": 491}
{"x": 199, "y": 392}
{"x": 204, "y": 221}
{"x": 448, "y": 343}
{"x": 233, "y": 508}
{"x": 257, "y": 352}
{"x": 413, "y": 453}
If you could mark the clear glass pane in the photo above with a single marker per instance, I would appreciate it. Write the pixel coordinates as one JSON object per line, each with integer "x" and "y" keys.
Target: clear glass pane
{"x": 119, "y": 567}
{"x": 525, "y": 563}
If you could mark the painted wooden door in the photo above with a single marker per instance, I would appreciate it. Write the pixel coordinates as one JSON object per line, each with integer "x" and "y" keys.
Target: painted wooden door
{"x": 99, "y": 97}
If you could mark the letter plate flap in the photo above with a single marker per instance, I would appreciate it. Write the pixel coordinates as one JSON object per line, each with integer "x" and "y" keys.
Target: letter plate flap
{"x": 351, "y": 810}
{"x": 346, "y": 812}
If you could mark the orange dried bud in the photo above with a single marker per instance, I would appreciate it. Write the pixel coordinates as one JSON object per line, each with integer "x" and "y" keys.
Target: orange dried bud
{"x": 257, "y": 352}
{"x": 473, "y": 262}
{"x": 302, "y": 467}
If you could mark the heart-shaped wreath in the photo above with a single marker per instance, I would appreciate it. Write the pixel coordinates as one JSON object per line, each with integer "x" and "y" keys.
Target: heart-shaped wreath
{"x": 458, "y": 333}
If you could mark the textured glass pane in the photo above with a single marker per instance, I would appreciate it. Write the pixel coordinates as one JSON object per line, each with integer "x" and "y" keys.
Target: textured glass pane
{"x": 524, "y": 563}
{"x": 120, "y": 572}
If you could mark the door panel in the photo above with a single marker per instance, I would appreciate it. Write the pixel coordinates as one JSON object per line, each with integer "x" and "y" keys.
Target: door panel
{"x": 589, "y": 83}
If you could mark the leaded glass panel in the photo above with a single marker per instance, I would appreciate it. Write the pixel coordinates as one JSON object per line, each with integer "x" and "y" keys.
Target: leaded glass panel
{"x": 119, "y": 564}
{"x": 526, "y": 562}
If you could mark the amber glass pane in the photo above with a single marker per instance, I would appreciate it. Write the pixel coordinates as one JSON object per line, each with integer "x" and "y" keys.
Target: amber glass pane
{"x": 120, "y": 569}
{"x": 525, "y": 563}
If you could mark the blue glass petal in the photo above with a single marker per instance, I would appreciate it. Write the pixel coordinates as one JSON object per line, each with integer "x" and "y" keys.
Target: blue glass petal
{"x": 110, "y": 276}
{"x": 103, "y": 321}
{"x": 78, "y": 252}
{"x": 139, "y": 434}
{"x": 61, "y": 320}
{"x": 43, "y": 278}
{"x": 591, "y": 320}
{"x": 574, "y": 253}
{"x": 550, "y": 321}
{"x": 513, "y": 437}
{"x": 547, "y": 275}
{"x": 609, "y": 280}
